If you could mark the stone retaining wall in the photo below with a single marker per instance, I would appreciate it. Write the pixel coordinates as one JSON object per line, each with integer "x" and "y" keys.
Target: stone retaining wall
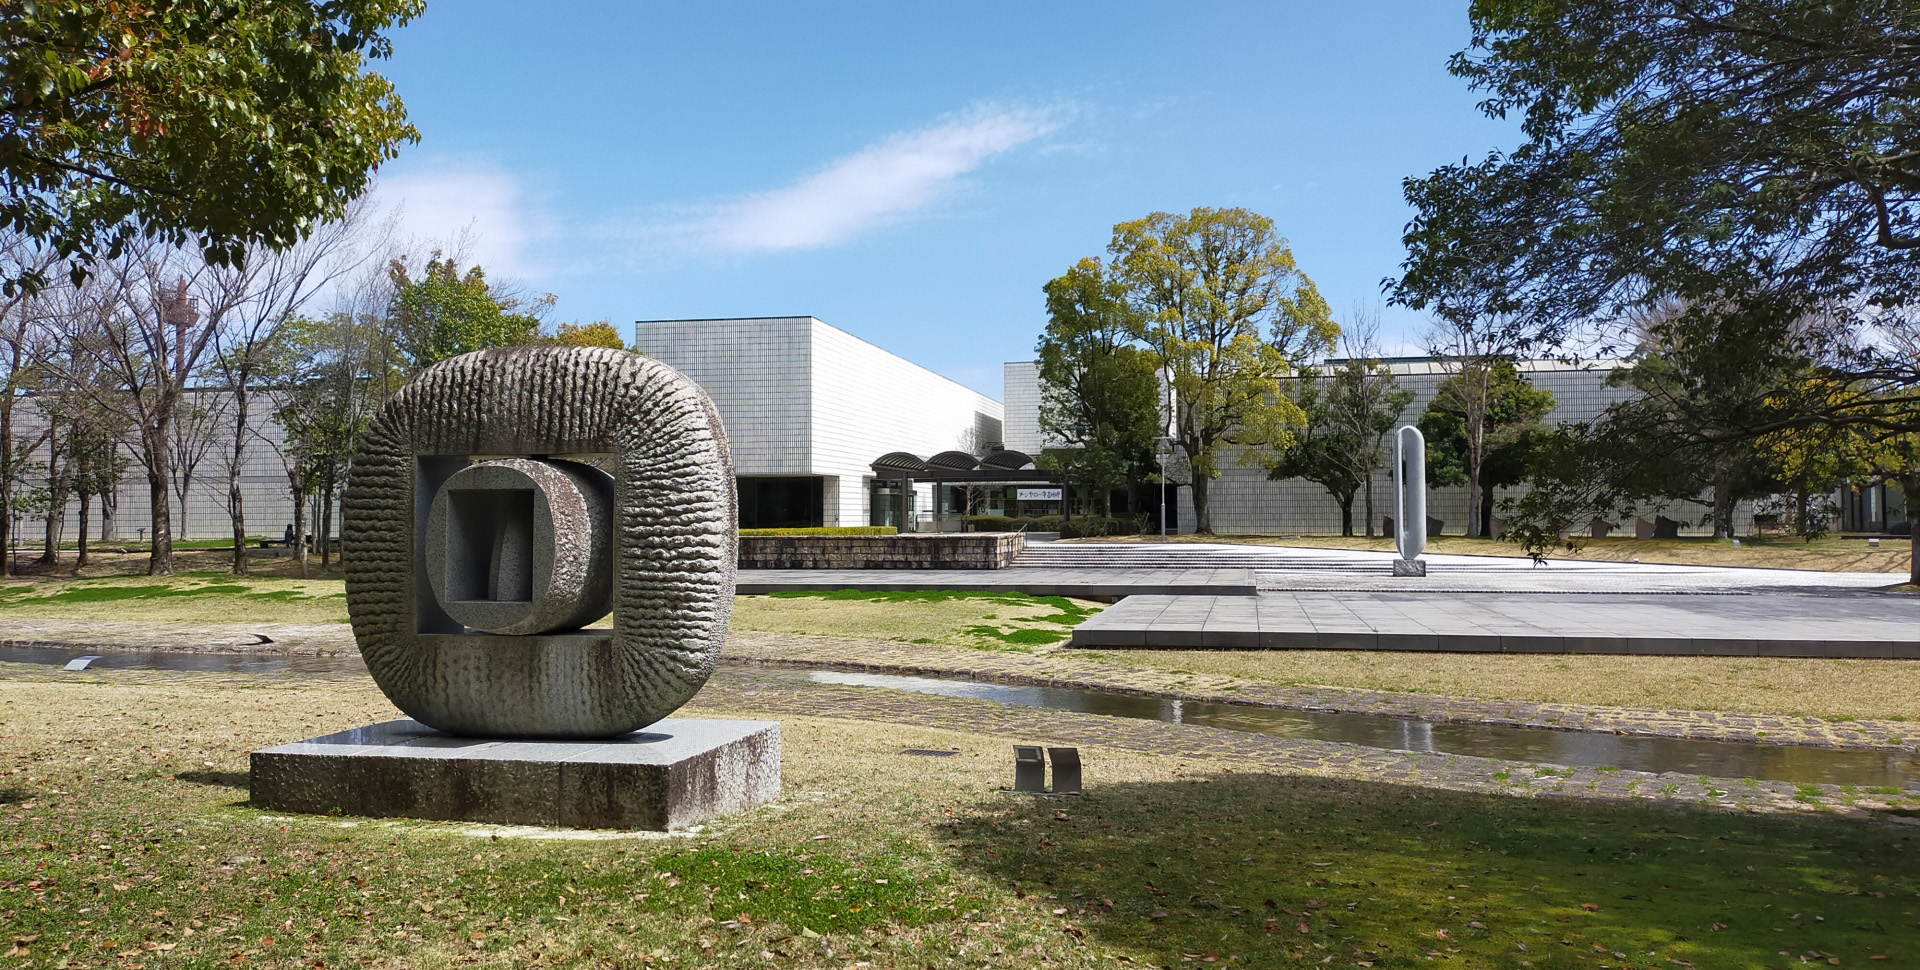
{"x": 971, "y": 550}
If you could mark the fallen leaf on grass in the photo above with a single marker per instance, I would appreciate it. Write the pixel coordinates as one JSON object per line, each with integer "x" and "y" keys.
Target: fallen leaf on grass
{"x": 1590, "y": 907}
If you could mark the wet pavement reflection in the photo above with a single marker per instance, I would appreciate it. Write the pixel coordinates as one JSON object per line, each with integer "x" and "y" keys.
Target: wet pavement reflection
{"x": 1718, "y": 759}
{"x": 1803, "y": 764}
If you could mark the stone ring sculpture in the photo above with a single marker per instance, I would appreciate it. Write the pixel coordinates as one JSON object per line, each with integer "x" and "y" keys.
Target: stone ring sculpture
{"x": 481, "y": 538}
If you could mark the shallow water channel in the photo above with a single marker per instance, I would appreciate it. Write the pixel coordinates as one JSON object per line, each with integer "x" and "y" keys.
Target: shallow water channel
{"x": 1718, "y": 759}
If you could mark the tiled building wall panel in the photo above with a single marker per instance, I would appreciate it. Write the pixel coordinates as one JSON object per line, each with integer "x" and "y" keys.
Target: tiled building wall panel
{"x": 867, "y": 402}
{"x": 757, "y": 371}
{"x": 1244, "y": 501}
{"x": 1021, "y": 393}
{"x": 266, "y": 500}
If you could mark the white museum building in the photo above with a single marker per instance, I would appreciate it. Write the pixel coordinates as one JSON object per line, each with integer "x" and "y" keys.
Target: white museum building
{"x": 809, "y": 407}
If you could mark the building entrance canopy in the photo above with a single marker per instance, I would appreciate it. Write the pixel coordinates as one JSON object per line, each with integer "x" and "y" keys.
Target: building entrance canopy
{"x": 958, "y": 466}
{"x": 999, "y": 467}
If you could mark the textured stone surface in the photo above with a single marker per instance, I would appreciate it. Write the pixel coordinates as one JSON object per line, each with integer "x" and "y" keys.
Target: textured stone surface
{"x": 673, "y": 537}
{"x": 976, "y": 550}
{"x": 521, "y": 546}
{"x": 674, "y": 774}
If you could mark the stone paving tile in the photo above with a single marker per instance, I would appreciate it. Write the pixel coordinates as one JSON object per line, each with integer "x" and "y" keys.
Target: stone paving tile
{"x": 1051, "y": 670}
{"x": 1783, "y": 625}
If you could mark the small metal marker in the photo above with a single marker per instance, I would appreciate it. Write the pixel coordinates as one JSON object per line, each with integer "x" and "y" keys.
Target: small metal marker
{"x": 1066, "y": 770}
{"x": 1029, "y": 769}
{"x": 80, "y": 663}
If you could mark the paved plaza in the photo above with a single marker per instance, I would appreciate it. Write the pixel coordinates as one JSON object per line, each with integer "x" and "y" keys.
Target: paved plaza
{"x": 1778, "y": 625}
{"x": 1071, "y": 580}
{"x": 1234, "y": 596}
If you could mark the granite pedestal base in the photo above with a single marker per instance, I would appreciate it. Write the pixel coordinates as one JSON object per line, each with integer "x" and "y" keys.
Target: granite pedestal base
{"x": 671, "y": 774}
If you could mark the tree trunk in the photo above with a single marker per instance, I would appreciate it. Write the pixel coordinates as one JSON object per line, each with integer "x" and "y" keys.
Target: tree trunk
{"x": 56, "y": 498}
{"x": 86, "y": 507}
{"x": 1474, "y": 500}
{"x": 159, "y": 501}
{"x": 1723, "y": 510}
{"x": 6, "y": 482}
{"x": 1910, "y": 484}
{"x": 1346, "y": 513}
{"x": 1202, "y": 511}
{"x": 1369, "y": 504}
{"x": 184, "y": 481}
{"x": 1800, "y": 507}
{"x": 236, "y": 502}
{"x": 299, "y": 548}
{"x": 325, "y": 530}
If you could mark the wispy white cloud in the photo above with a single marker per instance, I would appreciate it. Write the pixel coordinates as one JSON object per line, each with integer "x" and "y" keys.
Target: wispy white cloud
{"x": 876, "y": 186}
{"x": 448, "y": 203}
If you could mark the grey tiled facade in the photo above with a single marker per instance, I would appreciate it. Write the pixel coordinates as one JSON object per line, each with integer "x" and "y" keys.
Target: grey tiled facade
{"x": 266, "y": 497}
{"x": 1246, "y": 502}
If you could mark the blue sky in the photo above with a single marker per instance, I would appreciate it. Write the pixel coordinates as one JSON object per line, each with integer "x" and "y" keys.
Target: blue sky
{"x": 913, "y": 172}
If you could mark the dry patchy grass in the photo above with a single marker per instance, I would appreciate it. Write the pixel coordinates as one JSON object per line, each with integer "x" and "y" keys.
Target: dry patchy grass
{"x": 934, "y": 617}
{"x": 128, "y": 843}
{"x": 196, "y": 597}
{"x": 1833, "y": 689}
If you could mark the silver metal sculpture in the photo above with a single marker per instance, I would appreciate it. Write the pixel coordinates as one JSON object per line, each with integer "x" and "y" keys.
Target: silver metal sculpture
{"x": 1410, "y": 501}
{"x": 479, "y": 541}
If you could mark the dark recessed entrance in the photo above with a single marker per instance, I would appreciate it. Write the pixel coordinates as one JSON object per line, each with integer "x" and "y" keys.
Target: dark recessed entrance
{"x": 781, "y": 503}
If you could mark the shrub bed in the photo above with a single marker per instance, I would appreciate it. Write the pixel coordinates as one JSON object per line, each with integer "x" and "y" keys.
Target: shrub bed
{"x": 844, "y": 530}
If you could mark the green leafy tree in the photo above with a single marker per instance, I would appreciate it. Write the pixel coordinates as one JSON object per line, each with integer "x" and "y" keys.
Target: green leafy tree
{"x": 445, "y": 313}
{"x": 1099, "y": 390}
{"x": 335, "y": 376}
{"x": 599, "y": 333}
{"x": 226, "y": 123}
{"x": 1479, "y": 429}
{"x": 1227, "y": 314}
{"x": 1342, "y": 439}
{"x": 1729, "y": 153}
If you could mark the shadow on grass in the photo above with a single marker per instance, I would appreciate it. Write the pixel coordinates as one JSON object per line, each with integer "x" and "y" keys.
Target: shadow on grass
{"x": 1264, "y": 870}
{"x": 220, "y": 779}
{"x": 11, "y": 795}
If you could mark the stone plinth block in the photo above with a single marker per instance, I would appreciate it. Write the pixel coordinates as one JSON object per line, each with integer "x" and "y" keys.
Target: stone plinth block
{"x": 673, "y": 774}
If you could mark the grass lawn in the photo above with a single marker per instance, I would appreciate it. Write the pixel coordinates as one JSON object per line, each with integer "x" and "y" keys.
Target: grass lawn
{"x": 1004, "y": 621}
{"x": 190, "y": 597}
{"x": 126, "y": 841}
{"x": 1832, "y": 554}
{"x": 937, "y": 617}
{"x": 1834, "y": 689}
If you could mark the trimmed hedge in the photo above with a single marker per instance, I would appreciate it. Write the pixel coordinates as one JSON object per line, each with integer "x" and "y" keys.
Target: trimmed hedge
{"x": 1079, "y": 527}
{"x": 844, "y": 530}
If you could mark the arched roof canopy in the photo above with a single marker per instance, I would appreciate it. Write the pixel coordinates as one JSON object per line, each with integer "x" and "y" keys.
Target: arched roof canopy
{"x": 899, "y": 461}
{"x": 1009, "y": 460}
{"x": 958, "y": 461}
